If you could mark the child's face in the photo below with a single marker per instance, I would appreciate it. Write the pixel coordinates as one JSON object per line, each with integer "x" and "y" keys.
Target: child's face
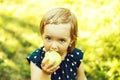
{"x": 57, "y": 37}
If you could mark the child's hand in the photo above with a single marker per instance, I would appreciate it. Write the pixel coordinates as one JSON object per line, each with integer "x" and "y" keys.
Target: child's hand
{"x": 49, "y": 68}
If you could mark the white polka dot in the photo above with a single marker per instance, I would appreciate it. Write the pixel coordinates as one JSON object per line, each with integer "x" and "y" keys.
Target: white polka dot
{"x": 67, "y": 59}
{"x": 72, "y": 64}
{"x": 80, "y": 60}
{"x": 66, "y": 65}
{"x": 75, "y": 62}
{"x": 42, "y": 51}
{"x": 54, "y": 73}
{"x": 37, "y": 50}
{"x": 71, "y": 70}
{"x": 63, "y": 72}
{"x": 82, "y": 51}
{"x": 71, "y": 55}
{"x": 59, "y": 78}
{"x": 28, "y": 57}
{"x": 77, "y": 53}
{"x": 35, "y": 57}
{"x": 67, "y": 76}
{"x": 74, "y": 74}
{"x": 41, "y": 57}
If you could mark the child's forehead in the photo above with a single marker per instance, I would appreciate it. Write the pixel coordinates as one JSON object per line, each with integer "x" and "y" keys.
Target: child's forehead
{"x": 57, "y": 29}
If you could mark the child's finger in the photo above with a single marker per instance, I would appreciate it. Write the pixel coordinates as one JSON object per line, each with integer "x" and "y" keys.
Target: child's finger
{"x": 44, "y": 62}
{"x": 54, "y": 68}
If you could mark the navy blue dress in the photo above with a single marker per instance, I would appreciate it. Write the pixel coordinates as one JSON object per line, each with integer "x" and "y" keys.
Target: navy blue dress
{"x": 68, "y": 67}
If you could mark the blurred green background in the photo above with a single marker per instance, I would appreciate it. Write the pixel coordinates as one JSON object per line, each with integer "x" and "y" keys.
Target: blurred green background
{"x": 99, "y": 35}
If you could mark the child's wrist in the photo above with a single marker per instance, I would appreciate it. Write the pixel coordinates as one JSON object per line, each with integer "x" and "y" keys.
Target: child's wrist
{"x": 45, "y": 73}
{"x": 45, "y": 76}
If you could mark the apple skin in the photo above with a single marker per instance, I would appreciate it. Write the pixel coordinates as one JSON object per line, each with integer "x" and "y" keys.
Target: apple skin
{"x": 53, "y": 56}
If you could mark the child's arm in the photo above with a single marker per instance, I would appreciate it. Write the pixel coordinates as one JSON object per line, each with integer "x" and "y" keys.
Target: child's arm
{"x": 37, "y": 74}
{"x": 81, "y": 74}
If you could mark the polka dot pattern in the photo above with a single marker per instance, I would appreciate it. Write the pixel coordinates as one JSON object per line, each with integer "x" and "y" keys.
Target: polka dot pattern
{"x": 68, "y": 67}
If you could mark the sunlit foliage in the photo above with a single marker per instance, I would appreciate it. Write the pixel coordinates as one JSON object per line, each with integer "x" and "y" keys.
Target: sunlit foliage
{"x": 99, "y": 35}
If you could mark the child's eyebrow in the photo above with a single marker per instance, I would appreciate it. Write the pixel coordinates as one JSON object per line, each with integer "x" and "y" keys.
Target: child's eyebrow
{"x": 47, "y": 35}
{"x": 62, "y": 38}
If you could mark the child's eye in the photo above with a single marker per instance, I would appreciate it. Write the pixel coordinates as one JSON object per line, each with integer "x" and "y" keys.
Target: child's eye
{"x": 62, "y": 40}
{"x": 47, "y": 38}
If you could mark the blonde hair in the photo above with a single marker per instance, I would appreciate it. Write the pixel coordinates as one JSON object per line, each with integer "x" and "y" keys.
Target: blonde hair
{"x": 61, "y": 16}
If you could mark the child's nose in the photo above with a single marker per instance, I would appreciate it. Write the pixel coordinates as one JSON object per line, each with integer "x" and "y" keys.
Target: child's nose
{"x": 54, "y": 46}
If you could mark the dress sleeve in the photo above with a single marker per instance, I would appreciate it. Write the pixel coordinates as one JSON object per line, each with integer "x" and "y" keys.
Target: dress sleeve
{"x": 36, "y": 57}
{"x": 78, "y": 56}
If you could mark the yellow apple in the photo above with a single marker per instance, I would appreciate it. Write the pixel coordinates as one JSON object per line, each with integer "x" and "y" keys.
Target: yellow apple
{"x": 53, "y": 56}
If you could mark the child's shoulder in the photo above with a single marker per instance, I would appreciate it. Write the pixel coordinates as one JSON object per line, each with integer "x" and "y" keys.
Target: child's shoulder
{"x": 38, "y": 50}
{"x": 77, "y": 51}
{"x": 76, "y": 56}
{"x": 36, "y": 56}
{"x": 36, "y": 53}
